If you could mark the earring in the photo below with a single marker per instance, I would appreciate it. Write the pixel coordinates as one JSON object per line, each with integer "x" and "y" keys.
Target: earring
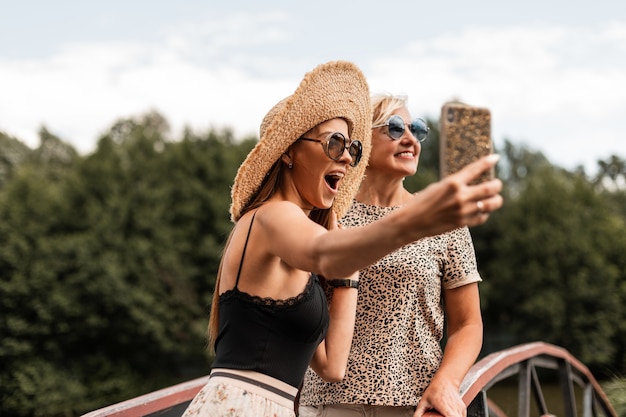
{"x": 290, "y": 165}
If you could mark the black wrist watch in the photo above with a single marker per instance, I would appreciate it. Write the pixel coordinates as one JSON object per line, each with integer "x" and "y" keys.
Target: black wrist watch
{"x": 343, "y": 283}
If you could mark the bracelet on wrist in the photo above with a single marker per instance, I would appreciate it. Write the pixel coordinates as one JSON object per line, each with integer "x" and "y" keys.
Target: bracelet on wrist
{"x": 343, "y": 283}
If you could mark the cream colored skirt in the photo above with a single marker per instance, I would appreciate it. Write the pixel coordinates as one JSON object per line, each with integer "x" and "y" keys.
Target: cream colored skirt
{"x": 235, "y": 393}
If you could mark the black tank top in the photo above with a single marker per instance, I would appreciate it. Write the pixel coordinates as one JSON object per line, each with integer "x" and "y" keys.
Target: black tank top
{"x": 273, "y": 337}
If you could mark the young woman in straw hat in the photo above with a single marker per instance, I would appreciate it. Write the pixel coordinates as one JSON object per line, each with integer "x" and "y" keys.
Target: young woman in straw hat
{"x": 270, "y": 318}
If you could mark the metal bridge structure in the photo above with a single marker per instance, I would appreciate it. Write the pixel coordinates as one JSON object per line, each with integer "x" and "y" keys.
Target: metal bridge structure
{"x": 528, "y": 367}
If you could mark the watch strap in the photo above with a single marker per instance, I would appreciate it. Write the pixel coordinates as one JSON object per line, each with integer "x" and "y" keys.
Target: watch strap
{"x": 343, "y": 283}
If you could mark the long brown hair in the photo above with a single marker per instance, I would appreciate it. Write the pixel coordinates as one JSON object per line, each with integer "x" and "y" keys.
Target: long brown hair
{"x": 271, "y": 183}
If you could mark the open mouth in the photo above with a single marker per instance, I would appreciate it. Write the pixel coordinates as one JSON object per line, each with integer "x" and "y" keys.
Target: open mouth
{"x": 333, "y": 181}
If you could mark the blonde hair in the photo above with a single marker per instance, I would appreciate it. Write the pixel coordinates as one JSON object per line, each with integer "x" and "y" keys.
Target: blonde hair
{"x": 384, "y": 104}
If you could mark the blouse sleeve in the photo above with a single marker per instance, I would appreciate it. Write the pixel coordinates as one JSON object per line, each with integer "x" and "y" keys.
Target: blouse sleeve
{"x": 459, "y": 264}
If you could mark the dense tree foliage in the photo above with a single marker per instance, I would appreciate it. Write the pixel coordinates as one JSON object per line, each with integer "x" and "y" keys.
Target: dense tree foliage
{"x": 108, "y": 260}
{"x": 108, "y": 264}
{"x": 555, "y": 258}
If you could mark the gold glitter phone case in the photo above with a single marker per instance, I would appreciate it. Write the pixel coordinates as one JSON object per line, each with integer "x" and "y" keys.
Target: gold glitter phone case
{"x": 465, "y": 135}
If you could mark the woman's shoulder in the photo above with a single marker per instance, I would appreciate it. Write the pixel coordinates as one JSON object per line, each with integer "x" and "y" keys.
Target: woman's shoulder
{"x": 282, "y": 206}
{"x": 274, "y": 217}
{"x": 278, "y": 210}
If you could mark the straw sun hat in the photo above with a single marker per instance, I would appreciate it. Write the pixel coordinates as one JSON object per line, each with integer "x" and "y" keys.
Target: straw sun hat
{"x": 336, "y": 89}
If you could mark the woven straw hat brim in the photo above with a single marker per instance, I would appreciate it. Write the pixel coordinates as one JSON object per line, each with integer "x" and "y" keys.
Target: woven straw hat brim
{"x": 335, "y": 89}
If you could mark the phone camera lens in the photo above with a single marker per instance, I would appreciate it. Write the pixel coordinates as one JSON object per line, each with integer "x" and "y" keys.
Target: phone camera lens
{"x": 450, "y": 115}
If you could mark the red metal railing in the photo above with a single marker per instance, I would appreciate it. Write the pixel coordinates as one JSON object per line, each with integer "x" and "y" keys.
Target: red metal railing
{"x": 167, "y": 402}
{"x": 523, "y": 361}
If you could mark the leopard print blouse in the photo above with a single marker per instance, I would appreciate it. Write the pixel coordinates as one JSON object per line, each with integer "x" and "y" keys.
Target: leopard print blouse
{"x": 399, "y": 323}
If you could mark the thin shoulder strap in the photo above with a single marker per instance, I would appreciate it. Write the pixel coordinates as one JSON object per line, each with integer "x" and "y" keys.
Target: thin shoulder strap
{"x": 243, "y": 254}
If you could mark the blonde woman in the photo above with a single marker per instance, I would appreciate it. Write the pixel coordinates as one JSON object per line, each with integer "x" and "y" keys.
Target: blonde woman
{"x": 396, "y": 366}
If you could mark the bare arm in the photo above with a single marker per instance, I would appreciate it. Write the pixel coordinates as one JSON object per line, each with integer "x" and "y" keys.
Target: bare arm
{"x": 465, "y": 332}
{"x": 331, "y": 357}
{"x": 443, "y": 206}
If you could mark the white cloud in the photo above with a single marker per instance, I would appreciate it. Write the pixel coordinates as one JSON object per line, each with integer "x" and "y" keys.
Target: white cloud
{"x": 563, "y": 90}
{"x": 536, "y": 90}
{"x": 79, "y": 92}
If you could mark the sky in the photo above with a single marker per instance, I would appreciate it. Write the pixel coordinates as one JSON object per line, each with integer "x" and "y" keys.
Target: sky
{"x": 552, "y": 72}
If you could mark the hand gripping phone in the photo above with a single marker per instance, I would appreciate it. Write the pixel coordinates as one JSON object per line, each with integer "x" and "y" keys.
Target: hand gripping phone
{"x": 465, "y": 136}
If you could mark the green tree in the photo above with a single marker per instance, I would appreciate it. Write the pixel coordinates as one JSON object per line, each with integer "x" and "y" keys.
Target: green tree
{"x": 108, "y": 264}
{"x": 554, "y": 258}
{"x": 31, "y": 299}
{"x": 611, "y": 173}
{"x": 12, "y": 154}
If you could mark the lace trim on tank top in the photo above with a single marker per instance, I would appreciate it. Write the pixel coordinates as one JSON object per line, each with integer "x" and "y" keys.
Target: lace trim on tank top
{"x": 272, "y": 302}
{"x": 266, "y": 301}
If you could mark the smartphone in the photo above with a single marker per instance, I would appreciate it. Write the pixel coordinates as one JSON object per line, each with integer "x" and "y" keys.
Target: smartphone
{"x": 465, "y": 136}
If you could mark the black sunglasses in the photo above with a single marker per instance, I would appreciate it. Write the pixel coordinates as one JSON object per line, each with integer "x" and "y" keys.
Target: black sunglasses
{"x": 395, "y": 128}
{"x": 334, "y": 145}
